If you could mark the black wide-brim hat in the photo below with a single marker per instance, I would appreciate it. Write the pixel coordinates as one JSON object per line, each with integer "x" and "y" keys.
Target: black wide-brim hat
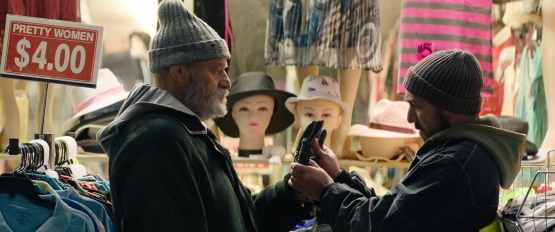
{"x": 255, "y": 83}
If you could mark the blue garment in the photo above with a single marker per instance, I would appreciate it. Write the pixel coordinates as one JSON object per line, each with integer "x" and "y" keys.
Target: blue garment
{"x": 20, "y": 214}
{"x": 304, "y": 224}
{"x": 38, "y": 189}
{"x": 101, "y": 185}
{"x": 531, "y": 102}
{"x": 46, "y": 179}
{"x": 96, "y": 207}
{"x": 78, "y": 206}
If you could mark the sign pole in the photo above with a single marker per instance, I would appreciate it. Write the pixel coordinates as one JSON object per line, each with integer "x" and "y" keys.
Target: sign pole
{"x": 41, "y": 135}
{"x": 51, "y": 51}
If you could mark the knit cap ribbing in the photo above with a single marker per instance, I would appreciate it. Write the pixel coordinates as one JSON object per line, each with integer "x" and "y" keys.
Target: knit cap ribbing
{"x": 449, "y": 79}
{"x": 183, "y": 38}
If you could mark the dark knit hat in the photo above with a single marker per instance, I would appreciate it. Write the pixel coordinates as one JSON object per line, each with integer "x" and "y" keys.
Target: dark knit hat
{"x": 449, "y": 79}
{"x": 183, "y": 38}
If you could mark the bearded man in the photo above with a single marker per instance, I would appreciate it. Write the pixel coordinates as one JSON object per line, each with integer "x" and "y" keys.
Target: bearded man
{"x": 453, "y": 182}
{"x": 167, "y": 170}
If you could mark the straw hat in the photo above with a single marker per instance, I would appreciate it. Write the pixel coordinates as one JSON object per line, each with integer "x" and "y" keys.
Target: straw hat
{"x": 388, "y": 120}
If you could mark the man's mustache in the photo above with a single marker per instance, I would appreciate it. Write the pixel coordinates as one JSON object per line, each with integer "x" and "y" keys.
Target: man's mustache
{"x": 417, "y": 126}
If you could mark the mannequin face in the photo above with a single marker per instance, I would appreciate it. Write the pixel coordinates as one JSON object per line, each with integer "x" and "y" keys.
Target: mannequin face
{"x": 319, "y": 109}
{"x": 252, "y": 114}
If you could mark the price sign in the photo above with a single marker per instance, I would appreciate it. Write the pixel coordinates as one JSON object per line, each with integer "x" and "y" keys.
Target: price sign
{"x": 51, "y": 51}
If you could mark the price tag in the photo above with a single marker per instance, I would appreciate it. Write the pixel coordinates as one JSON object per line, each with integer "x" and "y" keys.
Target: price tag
{"x": 51, "y": 51}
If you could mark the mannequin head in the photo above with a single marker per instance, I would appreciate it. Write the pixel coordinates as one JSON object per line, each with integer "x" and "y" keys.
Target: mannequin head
{"x": 318, "y": 109}
{"x": 318, "y": 99}
{"x": 255, "y": 108}
{"x": 252, "y": 114}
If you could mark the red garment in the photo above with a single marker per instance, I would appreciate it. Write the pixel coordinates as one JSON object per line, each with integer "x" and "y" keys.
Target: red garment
{"x": 497, "y": 50}
{"x": 494, "y": 104}
{"x": 88, "y": 185}
{"x": 50, "y": 9}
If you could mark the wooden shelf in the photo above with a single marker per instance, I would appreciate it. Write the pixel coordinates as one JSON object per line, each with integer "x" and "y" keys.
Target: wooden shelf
{"x": 343, "y": 163}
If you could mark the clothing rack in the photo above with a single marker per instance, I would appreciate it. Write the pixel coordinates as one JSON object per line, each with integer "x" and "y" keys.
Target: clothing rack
{"x": 536, "y": 211}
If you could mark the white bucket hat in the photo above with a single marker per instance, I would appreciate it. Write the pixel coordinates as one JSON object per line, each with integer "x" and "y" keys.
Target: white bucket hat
{"x": 318, "y": 87}
{"x": 86, "y": 100}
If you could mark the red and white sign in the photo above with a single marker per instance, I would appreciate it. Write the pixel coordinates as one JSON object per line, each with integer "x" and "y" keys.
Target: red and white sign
{"x": 51, "y": 51}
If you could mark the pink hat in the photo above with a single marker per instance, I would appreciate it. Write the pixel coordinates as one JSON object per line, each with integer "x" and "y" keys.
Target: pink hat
{"x": 388, "y": 120}
{"x": 86, "y": 100}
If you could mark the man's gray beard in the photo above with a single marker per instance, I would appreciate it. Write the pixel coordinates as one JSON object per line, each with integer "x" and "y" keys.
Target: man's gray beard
{"x": 201, "y": 102}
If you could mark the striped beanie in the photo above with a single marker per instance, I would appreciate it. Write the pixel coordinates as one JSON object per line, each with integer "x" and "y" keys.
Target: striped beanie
{"x": 449, "y": 79}
{"x": 183, "y": 38}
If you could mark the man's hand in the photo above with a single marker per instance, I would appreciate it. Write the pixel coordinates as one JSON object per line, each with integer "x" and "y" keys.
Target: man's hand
{"x": 309, "y": 180}
{"x": 326, "y": 159}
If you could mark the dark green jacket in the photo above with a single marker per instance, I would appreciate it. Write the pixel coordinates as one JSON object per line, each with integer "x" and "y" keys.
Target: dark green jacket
{"x": 452, "y": 184}
{"x": 168, "y": 173}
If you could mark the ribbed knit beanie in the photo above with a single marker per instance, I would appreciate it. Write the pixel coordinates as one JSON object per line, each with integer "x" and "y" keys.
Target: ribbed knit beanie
{"x": 448, "y": 79}
{"x": 183, "y": 38}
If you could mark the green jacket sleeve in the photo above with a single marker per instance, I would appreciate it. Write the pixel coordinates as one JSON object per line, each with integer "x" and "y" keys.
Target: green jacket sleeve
{"x": 278, "y": 208}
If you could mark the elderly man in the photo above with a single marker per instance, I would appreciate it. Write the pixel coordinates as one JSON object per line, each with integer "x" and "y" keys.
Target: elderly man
{"x": 452, "y": 184}
{"x": 167, "y": 171}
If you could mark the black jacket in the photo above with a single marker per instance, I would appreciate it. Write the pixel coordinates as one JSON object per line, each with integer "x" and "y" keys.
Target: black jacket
{"x": 168, "y": 173}
{"x": 452, "y": 185}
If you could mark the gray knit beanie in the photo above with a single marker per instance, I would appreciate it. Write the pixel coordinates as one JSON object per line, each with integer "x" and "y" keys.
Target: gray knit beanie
{"x": 449, "y": 79}
{"x": 183, "y": 38}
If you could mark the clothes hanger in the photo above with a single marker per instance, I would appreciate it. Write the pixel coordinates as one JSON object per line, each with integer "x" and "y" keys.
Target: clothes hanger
{"x": 24, "y": 187}
{"x": 61, "y": 158}
{"x": 37, "y": 157}
{"x": 46, "y": 156}
{"x": 18, "y": 183}
{"x": 77, "y": 169}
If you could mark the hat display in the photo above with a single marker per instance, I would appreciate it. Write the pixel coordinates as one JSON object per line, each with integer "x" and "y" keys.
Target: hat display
{"x": 183, "y": 38}
{"x": 385, "y": 136}
{"x": 95, "y": 105}
{"x": 539, "y": 157}
{"x": 318, "y": 87}
{"x": 448, "y": 79}
{"x": 520, "y": 125}
{"x": 388, "y": 120}
{"x": 85, "y": 137}
{"x": 250, "y": 84}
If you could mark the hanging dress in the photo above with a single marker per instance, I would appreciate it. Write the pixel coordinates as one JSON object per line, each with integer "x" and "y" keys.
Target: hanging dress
{"x": 433, "y": 25}
{"x": 341, "y": 34}
{"x": 531, "y": 103}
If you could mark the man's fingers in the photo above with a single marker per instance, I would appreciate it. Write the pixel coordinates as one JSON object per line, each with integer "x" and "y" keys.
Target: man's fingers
{"x": 297, "y": 168}
{"x": 316, "y": 146}
{"x": 295, "y": 183}
{"x": 314, "y": 164}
